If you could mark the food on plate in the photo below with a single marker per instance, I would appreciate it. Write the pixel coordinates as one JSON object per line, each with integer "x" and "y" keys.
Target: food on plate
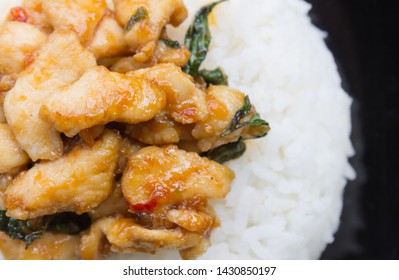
{"x": 86, "y": 169}
{"x": 127, "y": 124}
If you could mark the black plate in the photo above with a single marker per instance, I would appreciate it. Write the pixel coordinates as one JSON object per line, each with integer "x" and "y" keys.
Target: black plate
{"x": 363, "y": 38}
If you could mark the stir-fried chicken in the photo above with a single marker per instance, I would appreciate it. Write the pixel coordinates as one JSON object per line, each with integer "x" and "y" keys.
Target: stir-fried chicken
{"x": 77, "y": 182}
{"x": 11, "y": 155}
{"x": 61, "y": 61}
{"x": 100, "y": 97}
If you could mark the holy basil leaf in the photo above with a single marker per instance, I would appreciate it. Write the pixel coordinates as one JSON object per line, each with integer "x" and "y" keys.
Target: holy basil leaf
{"x": 214, "y": 77}
{"x": 69, "y": 222}
{"x": 198, "y": 38}
{"x": 262, "y": 127}
{"x": 140, "y": 15}
{"x": 227, "y": 152}
{"x": 27, "y": 231}
{"x": 32, "y": 229}
{"x": 171, "y": 44}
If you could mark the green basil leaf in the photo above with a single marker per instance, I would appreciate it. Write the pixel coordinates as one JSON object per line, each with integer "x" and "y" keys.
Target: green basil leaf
{"x": 198, "y": 38}
{"x": 214, "y": 77}
{"x": 27, "y": 231}
{"x": 32, "y": 229}
{"x": 140, "y": 15}
{"x": 227, "y": 152}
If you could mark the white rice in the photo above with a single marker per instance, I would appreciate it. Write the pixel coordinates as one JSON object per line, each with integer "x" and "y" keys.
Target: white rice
{"x": 287, "y": 197}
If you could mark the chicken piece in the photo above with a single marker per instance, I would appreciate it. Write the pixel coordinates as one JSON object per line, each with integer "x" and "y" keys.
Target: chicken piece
{"x": 113, "y": 205}
{"x": 190, "y": 219}
{"x": 100, "y": 97}
{"x": 50, "y": 246}
{"x": 161, "y": 130}
{"x": 128, "y": 64}
{"x": 163, "y": 54}
{"x": 77, "y": 182}
{"x": 161, "y": 177}
{"x": 12, "y": 157}
{"x": 5, "y": 181}
{"x": 35, "y": 15}
{"x": 109, "y": 39}
{"x": 223, "y": 102}
{"x": 17, "y": 42}
{"x": 7, "y": 82}
{"x": 82, "y": 16}
{"x": 125, "y": 235}
{"x": 60, "y": 62}
{"x": 185, "y": 102}
{"x": 144, "y": 21}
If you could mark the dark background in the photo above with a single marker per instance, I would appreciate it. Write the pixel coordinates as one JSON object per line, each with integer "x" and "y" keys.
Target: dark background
{"x": 363, "y": 36}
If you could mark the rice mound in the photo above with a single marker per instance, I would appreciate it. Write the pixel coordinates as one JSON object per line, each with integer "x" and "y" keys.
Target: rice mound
{"x": 286, "y": 199}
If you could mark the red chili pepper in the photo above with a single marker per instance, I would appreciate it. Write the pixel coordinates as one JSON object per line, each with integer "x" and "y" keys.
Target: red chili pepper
{"x": 148, "y": 206}
{"x": 18, "y": 14}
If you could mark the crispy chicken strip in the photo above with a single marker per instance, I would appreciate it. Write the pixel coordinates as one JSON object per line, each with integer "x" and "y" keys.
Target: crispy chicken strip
{"x": 82, "y": 15}
{"x": 125, "y": 235}
{"x": 100, "y": 97}
{"x": 157, "y": 177}
{"x": 18, "y": 41}
{"x": 11, "y": 155}
{"x": 61, "y": 61}
{"x": 142, "y": 35}
{"x": 50, "y": 246}
{"x": 185, "y": 102}
{"x": 77, "y": 182}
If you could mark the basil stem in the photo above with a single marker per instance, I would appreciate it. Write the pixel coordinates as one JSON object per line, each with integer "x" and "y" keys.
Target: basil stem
{"x": 170, "y": 43}
{"x": 140, "y": 15}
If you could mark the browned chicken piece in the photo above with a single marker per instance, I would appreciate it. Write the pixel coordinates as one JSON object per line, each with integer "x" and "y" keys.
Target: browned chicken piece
{"x": 17, "y": 42}
{"x": 163, "y": 54}
{"x": 5, "y": 181}
{"x": 124, "y": 235}
{"x": 163, "y": 177}
{"x": 185, "y": 102}
{"x": 223, "y": 102}
{"x": 12, "y": 157}
{"x": 166, "y": 54}
{"x": 160, "y": 131}
{"x": 144, "y": 21}
{"x": 50, "y": 246}
{"x": 61, "y": 61}
{"x": 77, "y": 182}
{"x": 100, "y": 97}
{"x": 109, "y": 39}
{"x": 83, "y": 16}
{"x": 113, "y": 205}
